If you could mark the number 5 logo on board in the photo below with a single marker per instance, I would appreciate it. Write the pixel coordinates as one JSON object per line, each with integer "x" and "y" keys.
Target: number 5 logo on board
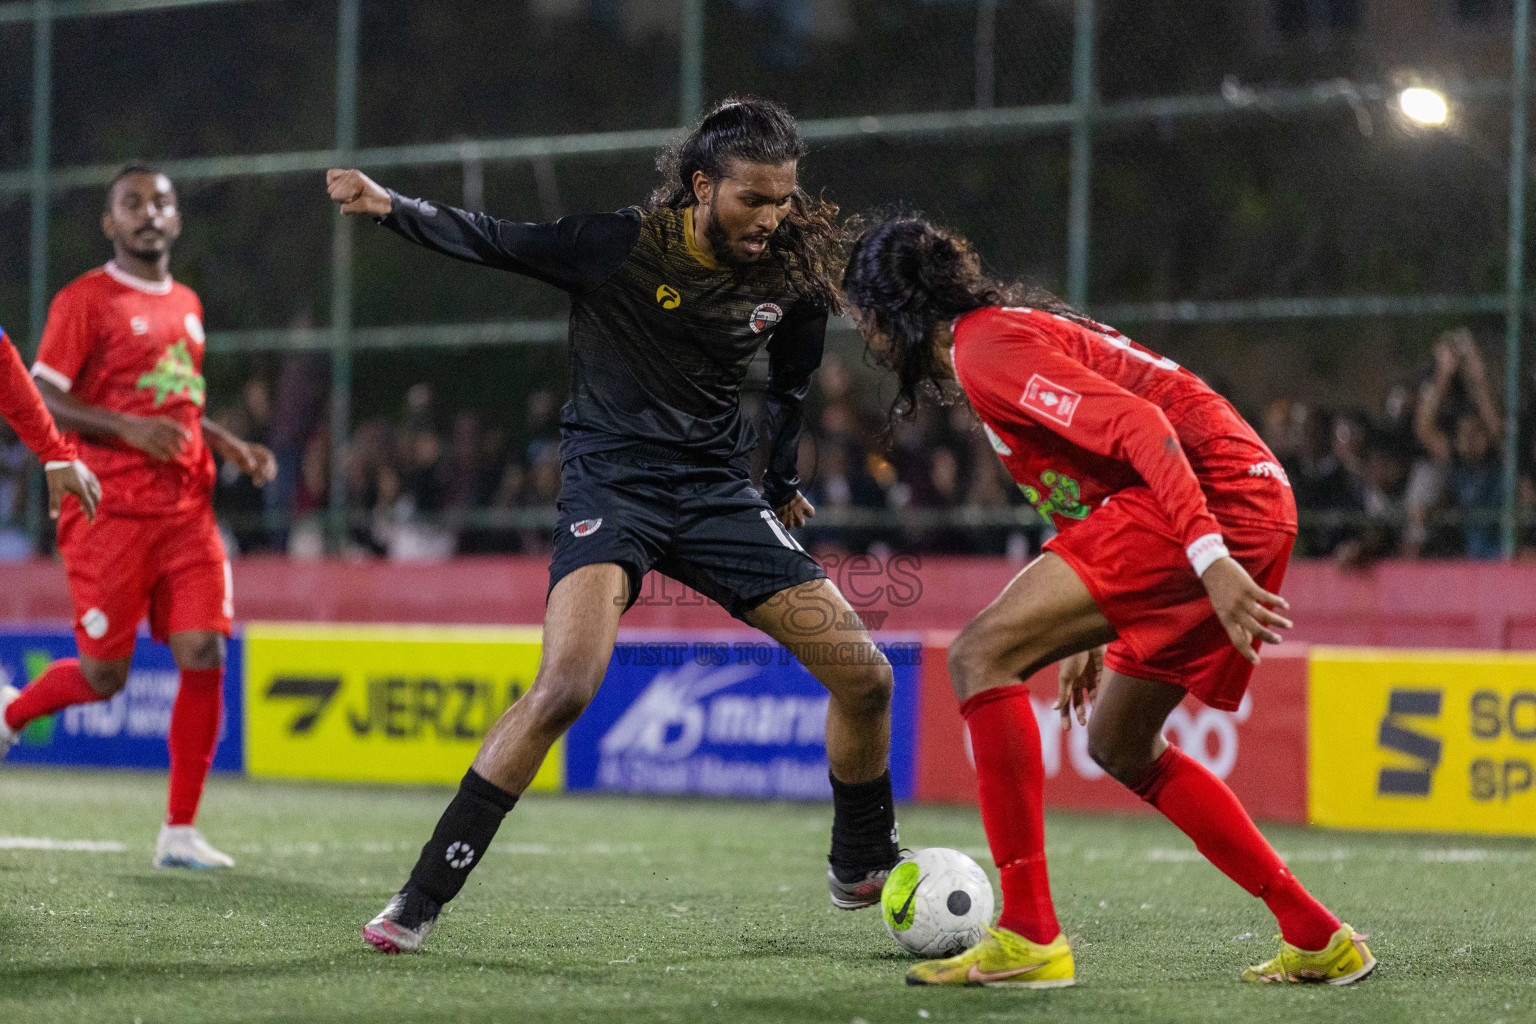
{"x": 1396, "y": 736}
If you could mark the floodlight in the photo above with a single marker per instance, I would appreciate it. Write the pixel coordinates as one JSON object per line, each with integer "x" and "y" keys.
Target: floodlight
{"x": 1423, "y": 106}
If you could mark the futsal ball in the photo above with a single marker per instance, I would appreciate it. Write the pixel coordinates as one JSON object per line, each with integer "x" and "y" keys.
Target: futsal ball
{"x": 936, "y": 902}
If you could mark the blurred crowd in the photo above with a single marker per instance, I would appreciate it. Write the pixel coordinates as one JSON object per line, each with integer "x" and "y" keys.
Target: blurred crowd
{"x": 432, "y": 482}
{"x": 425, "y": 484}
{"x": 1418, "y": 477}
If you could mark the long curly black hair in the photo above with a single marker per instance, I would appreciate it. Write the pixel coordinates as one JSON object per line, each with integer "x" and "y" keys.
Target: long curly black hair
{"x": 908, "y": 276}
{"x": 810, "y": 241}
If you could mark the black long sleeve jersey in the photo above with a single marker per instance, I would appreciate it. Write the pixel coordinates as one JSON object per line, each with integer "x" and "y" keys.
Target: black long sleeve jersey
{"x": 661, "y": 336}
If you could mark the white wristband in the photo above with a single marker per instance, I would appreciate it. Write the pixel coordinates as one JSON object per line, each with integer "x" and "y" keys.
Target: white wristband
{"x": 1204, "y": 551}
{"x": 59, "y": 463}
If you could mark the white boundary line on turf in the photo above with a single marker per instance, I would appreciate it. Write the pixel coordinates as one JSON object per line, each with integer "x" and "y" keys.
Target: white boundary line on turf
{"x": 63, "y": 845}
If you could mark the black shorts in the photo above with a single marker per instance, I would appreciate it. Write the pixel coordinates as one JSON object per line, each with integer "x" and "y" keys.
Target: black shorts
{"x": 705, "y": 526}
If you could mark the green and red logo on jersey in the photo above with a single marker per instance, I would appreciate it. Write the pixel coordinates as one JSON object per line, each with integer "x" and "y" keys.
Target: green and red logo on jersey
{"x": 175, "y": 374}
{"x": 1058, "y": 495}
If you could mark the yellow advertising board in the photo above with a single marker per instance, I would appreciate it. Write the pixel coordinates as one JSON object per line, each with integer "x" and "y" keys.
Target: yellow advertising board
{"x": 382, "y": 703}
{"x": 1435, "y": 741}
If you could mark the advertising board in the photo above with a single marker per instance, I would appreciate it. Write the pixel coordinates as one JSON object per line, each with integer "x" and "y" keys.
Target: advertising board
{"x": 724, "y": 715}
{"x": 382, "y": 703}
{"x": 1423, "y": 740}
{"x": 1260, "y": 749}
{"x": 127, "y": 731}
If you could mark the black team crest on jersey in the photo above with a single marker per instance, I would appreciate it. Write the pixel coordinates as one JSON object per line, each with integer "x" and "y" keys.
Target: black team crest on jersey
{"x": 668, "y": 297}
{"x": 765, "y": 316}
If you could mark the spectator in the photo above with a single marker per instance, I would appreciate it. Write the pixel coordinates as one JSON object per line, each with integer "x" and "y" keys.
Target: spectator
{"x": 15, "y": 460}
{"x": 1460, "y": 439}
{"x": 239, "y": 502}
{"x": 1386, "y": 472}
{"x": 937, "y": 486}
{"x": 311, "y": 497}
{"x": 495, "y": 444}
{"x": 1525, "y": 495}
{"x": 462, "y": 485}
{"x": 499, "y": 534}
{"x": 834, "y": 472}
{"x": 1279, "y": 430}
{"x": 992, "y": 488}
{"x": 1377, "y": 532}
{"x": 298, "y": 408}
{"x": 543, "y": 424}
{"x": 1334, "y": 485}
{"x": 423, "y": 473}
{"x": 1301, "y": 438}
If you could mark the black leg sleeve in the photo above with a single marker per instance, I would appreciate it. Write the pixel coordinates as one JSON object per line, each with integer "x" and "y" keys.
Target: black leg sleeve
{"x": 863, "y": 827}
{"x": 460, "y": 839}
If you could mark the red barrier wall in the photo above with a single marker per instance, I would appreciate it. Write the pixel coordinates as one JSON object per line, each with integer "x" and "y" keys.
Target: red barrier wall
{"x": 1405, "y": 604}
{"x": 1260, "y": 750}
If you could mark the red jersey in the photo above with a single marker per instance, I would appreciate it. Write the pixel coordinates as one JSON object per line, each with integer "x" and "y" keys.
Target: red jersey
{"x": 24, "y": 410}
{"x": 133, "y": 346}
{"x": 1079, "y": 413}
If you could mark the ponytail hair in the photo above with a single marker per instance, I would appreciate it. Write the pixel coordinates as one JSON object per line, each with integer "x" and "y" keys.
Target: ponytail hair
{"x": 809, "y": 241}
{"x": 908, "y": 276}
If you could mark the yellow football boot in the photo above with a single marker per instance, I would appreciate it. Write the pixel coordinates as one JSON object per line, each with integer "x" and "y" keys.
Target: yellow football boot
{"x": 1002, "y": 959}
{"x": 1345, "y": 961}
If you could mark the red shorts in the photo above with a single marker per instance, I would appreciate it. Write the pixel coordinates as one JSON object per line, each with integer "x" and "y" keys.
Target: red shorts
{"x": 121, "y": 568}
{"x": 1127, "y": 556}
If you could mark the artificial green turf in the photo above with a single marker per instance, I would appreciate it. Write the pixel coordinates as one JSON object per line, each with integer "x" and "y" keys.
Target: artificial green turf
{"x": 625, "y": 910}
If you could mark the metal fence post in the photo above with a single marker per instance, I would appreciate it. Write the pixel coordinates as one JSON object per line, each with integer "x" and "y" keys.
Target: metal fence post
{"x": 690, "y": 86}
{"x": 37, "y": 241}
{"x": 986, "y": 54}
{"x": 1082, "y": 153}
{"x": 341, "y": 271}
{"x": 1514, "y": 286}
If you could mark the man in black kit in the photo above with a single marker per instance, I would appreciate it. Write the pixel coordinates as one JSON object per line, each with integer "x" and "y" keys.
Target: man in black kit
{"x": 668, "y": 307}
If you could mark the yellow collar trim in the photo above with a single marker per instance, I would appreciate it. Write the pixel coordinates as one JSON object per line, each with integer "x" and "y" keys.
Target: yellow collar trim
{"x": 706, "y": 260}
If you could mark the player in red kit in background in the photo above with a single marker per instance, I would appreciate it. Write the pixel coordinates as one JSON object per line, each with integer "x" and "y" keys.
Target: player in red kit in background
{"x": 1175, "y": 525}
{"x": 120, "y": 366}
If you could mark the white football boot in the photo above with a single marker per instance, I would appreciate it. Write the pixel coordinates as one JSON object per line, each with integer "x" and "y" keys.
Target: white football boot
{"x": 404, "y": 923}
{"x": 858, "y": 893}
{"x": 182, "y": 846}
{"x": 8, "y": 738}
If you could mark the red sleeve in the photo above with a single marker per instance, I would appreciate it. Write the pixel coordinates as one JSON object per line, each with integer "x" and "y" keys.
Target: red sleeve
{"x": 24, "y": 410}
{"x": 67, "y": 340}
{"x": 1013, "y": 374}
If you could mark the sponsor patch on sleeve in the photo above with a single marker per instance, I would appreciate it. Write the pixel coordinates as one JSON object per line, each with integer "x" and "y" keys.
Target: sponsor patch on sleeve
{"x": 1050, "y": 400}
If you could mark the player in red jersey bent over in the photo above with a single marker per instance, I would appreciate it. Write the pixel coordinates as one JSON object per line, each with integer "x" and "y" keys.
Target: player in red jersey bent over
{"x": 120, "y": 366}
{"x": 1175, "y": 525}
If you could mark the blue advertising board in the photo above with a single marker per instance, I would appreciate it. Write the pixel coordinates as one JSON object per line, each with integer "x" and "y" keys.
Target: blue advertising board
{"x": 127, "y": 731}
{"x": 729, "y": 718}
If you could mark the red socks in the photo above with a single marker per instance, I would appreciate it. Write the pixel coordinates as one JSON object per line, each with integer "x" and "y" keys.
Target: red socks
{"x": 59, "y": 686}
{"x": 193, "y": 735}
{"x": 1010, "y": 779}
{"x": 194, "y": 723}
{"x": 1209, "y": 813}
